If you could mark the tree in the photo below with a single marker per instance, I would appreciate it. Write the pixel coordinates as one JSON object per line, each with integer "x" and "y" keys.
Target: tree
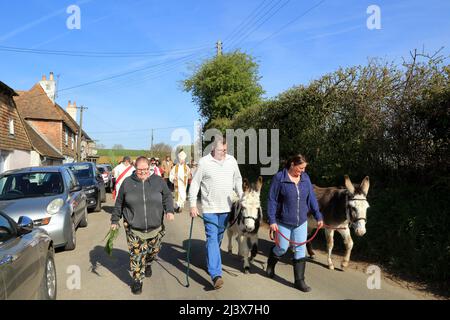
{"x": 118, "y": 147}
{"x": 224, "y": 85}
{"x": 161, "y": 148}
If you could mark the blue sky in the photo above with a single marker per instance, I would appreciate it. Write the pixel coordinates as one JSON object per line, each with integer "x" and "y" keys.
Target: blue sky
{"x": 123, "y": 110}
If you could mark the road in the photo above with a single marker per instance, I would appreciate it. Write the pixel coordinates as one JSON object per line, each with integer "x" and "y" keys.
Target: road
{"x": 89, "y": 273}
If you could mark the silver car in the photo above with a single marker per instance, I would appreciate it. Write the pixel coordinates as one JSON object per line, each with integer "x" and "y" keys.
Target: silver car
{"x": 27, "y": 265}
{"x": 50, "y": 196}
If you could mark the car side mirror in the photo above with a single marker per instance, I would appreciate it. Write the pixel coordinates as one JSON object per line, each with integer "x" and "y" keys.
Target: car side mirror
{"x": 76, "y": 188}
{"x": 25, "y": 225}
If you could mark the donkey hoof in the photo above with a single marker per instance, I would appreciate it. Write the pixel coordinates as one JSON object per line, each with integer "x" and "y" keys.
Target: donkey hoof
{"x": 312, "y": 257}
{"x": 230, "y": 251}
{"x": 247, "y": 270}
{"x": 344, "y": 265}
{"x": 331, "y": 267}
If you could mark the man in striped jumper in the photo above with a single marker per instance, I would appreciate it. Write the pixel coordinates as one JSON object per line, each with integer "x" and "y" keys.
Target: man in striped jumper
{"x": 217, "y": 176}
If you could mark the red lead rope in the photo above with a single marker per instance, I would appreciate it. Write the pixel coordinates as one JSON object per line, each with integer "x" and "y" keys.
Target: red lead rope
{"x": 297, "y": 244}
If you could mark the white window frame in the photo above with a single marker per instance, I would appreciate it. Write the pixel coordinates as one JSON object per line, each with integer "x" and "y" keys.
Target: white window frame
{"x": 67, "y": 136}
{"x": 73, "y": 141}
{"x": 11, "y": 126}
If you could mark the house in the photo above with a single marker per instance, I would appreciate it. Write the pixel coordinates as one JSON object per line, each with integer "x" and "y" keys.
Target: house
{"x": 15, "y": 147}
{"x": 49, "y": 120}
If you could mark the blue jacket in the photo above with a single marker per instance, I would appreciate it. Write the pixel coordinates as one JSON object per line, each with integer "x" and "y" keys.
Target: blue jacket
{"x": 290, "y": 204}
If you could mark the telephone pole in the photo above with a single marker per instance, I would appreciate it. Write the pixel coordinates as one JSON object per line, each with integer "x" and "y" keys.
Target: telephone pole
{"x": 79, "y": 133}
{"x": 151, "y": 145}
{"x": 219, "y": 48}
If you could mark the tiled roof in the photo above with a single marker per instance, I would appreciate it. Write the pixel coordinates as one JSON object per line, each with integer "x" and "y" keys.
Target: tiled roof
{"x": 40, "y": 143}
{"x": 7, "y": 90}
{"x": 35, "y": 104}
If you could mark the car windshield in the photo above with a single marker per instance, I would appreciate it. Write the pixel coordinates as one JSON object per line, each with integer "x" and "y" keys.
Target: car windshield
{"x": 82, "y": 171}
{"x": 101, "y": 169}
{"x": 30, "y": 184}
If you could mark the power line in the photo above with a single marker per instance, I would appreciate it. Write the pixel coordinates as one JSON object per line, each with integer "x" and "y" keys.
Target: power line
{"x": 100, "y": 54}
{"x": 248, "y": 19}
{"x": 117, "y": 75}
{"x": 289, "y": 23}
{"x": 255, "y": 27}
{"x": 141, "y": 130}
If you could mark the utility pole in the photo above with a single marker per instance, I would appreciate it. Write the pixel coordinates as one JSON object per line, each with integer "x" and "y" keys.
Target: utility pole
{"x": 151, "y": 146}
{"x": 219, "y": 48}
{"x": 79, "y": 133}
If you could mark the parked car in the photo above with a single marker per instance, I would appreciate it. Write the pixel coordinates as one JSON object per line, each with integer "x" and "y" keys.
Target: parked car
{"x": 106, "y": 172}
{"x": 50, "y": 196}
{"x": 27, "y": 265}
{"x": 91, "y": 181}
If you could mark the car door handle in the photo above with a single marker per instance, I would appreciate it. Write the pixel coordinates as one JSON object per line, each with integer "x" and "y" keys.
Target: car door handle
{"x": 8, "y": 259}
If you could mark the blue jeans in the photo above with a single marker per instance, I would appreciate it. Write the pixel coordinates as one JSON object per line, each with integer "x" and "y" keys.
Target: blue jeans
{"x": 295, "y": 234}
{"x": 214, "y": 238}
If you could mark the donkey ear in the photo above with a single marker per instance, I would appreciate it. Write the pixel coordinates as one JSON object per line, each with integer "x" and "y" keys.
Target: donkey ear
{"x": 365, "y": 185}
{"x": 259, "y": 184}
{"x": 245, "y": 185}
{"x": 349, "y": 184}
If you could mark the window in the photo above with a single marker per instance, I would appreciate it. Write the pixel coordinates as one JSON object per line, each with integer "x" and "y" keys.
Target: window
{"x": 11, "y": 126}
{"x": 67, "y": 136}
{"x": 73, "y": 141}
{"x": 28, "y": 185}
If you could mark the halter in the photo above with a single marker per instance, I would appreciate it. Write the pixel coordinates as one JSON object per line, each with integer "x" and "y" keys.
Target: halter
{"x": 350, "y": 217}
{"x": 239, "y": 209}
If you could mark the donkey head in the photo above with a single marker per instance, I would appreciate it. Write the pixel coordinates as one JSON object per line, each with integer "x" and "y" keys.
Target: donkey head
{"x": 251, "y": 205}
{"x": 357, "y": 204}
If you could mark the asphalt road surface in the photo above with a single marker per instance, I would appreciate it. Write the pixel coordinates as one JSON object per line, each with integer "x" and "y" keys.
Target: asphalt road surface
{"x": 89, "y": 273}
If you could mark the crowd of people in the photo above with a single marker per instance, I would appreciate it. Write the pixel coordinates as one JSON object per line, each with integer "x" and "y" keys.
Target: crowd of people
{"x": 148, "y": 191}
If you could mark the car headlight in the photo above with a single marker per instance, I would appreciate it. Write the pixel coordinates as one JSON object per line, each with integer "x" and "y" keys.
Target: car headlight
{"x": 89, "y": 191}
{"x": 54, "y": 206}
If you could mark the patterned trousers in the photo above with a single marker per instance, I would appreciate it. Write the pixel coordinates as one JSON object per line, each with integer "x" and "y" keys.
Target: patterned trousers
{"x": 142, "y": 252}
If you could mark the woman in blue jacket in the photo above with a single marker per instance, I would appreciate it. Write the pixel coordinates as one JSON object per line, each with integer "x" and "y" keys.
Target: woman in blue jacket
{"x": 291, "y": 197}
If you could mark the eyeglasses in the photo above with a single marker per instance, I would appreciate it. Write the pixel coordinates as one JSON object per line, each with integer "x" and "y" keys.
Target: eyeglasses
{"x": 142, "y": 170}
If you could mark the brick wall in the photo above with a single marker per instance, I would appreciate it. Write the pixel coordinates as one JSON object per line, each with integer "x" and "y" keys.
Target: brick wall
{"x": 67, "y": 149}
{"x": 52, "y": 130}
{"x": 18, "y": 141}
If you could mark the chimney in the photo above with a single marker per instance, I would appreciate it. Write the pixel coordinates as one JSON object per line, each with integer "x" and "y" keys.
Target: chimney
{"x": 49, "y": 86}
{"x": 72, "y": 110}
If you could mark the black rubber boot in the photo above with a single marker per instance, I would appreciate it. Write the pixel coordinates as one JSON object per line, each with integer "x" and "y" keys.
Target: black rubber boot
{"x": 148, "y": 271}
{"x": 271, "y": 262}
{"x": 299, "y": 275}
{"x": 136, "y": 287}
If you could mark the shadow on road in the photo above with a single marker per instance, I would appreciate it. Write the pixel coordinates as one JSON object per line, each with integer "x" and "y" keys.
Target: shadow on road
{"x": 108, "y": 209}
{"x": 118, "y": 264}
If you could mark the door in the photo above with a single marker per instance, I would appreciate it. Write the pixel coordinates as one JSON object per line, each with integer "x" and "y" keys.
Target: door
{"x": 19, "y": 262}
{"x": 78, "y": 198}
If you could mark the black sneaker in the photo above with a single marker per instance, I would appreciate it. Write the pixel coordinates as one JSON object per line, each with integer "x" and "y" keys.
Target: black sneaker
{"x": 136, "y": 287}
{"x": 148, "y": 271}
{"x": 218, "y": 282}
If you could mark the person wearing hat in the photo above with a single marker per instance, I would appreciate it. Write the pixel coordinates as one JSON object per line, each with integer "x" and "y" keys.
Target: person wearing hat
{"x": 179, "y": 176}
{"x": 120, "y": 172}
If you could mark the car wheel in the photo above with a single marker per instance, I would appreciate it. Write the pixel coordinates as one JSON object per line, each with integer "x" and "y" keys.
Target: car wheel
{"x": 84, "y": 220}
{"x": 72, "y": 239}
{"x": 98, "y": 207}
{"x": 48, "y": 285}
